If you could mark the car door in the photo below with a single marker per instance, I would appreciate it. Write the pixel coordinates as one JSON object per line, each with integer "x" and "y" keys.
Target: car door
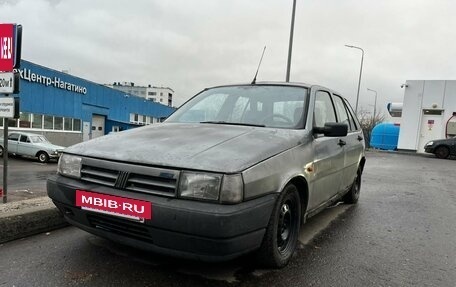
{"x": 354, "y": 142}
{"x": 328, "y": 153}
{"x": 13, "y": 139}
{"x": 25, "y": 146}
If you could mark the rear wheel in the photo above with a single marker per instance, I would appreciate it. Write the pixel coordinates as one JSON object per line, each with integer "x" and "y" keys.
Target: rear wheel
{"x": 442, "y": 152}
{"x": 43, "y": 157}
{"x": 352, "y": 195}
{"x": 281, "y": 237}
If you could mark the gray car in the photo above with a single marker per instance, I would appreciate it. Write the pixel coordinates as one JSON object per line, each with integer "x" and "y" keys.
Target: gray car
{"x": 236, "y": 169}
{"x": 31, "y": 145}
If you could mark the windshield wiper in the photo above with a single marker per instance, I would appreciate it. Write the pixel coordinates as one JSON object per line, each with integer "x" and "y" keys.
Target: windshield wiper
{"x": 230, "y": 123}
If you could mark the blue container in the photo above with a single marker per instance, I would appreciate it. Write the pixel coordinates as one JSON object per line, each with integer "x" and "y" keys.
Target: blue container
{"x": 385, "y": 136}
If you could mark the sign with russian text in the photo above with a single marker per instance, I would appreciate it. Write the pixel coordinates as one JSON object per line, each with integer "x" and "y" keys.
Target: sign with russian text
{"x": 7, "y": 47}
{"x": 6, "y": 83}
{"x": 114, "y": 205}
{"x": 7, "y": 107}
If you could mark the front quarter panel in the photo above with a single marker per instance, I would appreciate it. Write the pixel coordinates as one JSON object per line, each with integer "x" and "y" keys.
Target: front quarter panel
{"x": 271, "y": 175}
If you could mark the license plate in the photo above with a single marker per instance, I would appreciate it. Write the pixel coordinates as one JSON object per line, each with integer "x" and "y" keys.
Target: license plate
{"x": 129, "y": 208}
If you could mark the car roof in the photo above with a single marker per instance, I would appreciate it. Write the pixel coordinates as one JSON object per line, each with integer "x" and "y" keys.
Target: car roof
{"x": 24, "y": 133}
{"x": 278, "y": 83}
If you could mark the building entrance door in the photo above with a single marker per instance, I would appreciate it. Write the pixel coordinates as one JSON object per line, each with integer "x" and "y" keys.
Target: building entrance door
{"x": 431, "y": 128}
{"x": 98, "y": 126}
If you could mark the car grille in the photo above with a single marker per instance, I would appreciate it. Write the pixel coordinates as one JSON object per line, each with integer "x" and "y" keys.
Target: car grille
{"x": 130, "y": 177}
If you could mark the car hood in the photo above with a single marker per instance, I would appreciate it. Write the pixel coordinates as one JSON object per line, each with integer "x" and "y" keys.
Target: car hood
{"x": 443, "y": 141}
{"x": 210, "y": 147}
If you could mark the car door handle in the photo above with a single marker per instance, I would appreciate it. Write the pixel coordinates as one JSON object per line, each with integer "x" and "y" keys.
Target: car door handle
{"x": 341, "y": 143}
{"x": 360, "y": 138}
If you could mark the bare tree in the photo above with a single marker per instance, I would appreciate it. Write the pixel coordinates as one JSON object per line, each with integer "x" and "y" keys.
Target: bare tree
{"x": 368, "y": 121}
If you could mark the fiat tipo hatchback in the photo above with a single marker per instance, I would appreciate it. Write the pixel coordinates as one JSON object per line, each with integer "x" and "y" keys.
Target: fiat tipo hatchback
{"x": 236, "y": 169}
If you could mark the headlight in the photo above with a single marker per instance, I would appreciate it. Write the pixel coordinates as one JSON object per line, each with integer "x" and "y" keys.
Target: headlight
{"x": 429, "y": 143}
{"x": 213, "y": 187}
{"x": 69, "y": 165}
{"x": 200, "y": 185}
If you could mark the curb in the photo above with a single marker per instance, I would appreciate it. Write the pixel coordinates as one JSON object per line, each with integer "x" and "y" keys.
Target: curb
{"x": 28, "y": 217}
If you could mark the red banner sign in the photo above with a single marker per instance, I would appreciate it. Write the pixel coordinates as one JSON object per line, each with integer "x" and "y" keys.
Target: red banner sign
{"x": 7, "y": 47}
{"x": 115, "y": 205}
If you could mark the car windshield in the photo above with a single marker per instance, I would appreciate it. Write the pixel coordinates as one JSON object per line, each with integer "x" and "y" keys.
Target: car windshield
{"x": 38, "y": 139}
{"x": 256, "y": 105}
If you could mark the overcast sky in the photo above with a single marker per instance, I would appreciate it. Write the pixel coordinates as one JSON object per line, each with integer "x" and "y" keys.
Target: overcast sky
{"x": 190, "y": 45}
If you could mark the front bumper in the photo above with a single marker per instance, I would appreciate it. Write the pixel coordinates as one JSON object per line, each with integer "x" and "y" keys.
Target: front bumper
{"x": 183, "y": 228}
{"x": 429, "y": 149}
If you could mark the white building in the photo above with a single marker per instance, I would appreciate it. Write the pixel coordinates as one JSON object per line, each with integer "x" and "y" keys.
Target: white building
{"x": 162, "y": 95}
{"x": 429, "y": 113}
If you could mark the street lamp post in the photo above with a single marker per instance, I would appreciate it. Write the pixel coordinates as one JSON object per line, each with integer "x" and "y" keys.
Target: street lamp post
{"x": 375, "y": 103}
{"x": 360, "y": 72}
{"x": 290, "y": 45}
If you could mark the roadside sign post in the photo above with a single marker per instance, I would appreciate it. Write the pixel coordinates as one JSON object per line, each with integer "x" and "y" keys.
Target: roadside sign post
{"x": 10, "y": 59}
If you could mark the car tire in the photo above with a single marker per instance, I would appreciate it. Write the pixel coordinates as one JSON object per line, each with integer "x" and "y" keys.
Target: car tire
{"x": 352, "y": 196}
{"x": 281, "y": 237}
{"x": 442, "y": 152}
{"x": 43, "y": 157}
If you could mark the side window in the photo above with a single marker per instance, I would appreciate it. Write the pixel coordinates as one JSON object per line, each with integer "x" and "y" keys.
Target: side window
{"x": 324, "y": 109}
{"x": 13, "y": 137}
{"x": 352, "y": 118}
{"x": 23, "y": 139}
{"x": 342, "y": 114}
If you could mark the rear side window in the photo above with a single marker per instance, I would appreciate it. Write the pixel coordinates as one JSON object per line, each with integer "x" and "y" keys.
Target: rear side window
{"x": 324, "y": 109}
{"x": 342, "y": 114}
{"x": 353, "y": 119}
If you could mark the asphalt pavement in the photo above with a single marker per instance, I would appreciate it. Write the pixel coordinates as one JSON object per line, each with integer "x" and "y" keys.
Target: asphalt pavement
{"x": 26, "y": 177}
{"x": 401, "y": 233}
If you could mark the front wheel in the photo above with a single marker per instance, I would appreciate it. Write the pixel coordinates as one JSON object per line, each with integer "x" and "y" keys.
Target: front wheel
{"x": 281, "y": 237}
{"x": 43, "y": 157}
{"x": 442, "y": 152}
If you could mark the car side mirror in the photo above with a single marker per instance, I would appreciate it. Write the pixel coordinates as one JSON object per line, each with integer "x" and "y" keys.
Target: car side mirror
{"x": 332, "y": 130}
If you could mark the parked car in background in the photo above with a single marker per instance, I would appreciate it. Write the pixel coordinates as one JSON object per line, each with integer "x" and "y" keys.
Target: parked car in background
{"x": 442, "y": 148}
{"x": 32, "y": 145}
{"x": 236, "y": 169}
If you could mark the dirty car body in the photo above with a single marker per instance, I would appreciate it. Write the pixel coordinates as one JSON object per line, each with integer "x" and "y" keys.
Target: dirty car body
{"x": 236, "y": 169}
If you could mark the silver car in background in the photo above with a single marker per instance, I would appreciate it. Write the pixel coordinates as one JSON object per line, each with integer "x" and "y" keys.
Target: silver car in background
{"x": 31, "y": 145}
{"x": 236, "y": 169}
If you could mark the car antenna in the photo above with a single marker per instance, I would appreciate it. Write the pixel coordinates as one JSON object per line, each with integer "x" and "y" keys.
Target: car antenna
{"x": 259, "y": 64}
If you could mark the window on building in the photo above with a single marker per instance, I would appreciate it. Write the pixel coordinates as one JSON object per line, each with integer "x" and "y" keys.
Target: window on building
{"x": 12, "y": 123}
{"x": 67, "y": 123}
{"x": 25, "y": 120}
{"x": 37, "y": 122}
{"x": 152, "y": 93}
{"x": 1, "y": 122}
{"x": 76, "y": 125}
{"x": 58, "y": 123}
{"x": 48, "y": 122}
{"x": 144, "y": 119}
{"x": 136, "y": 118}
{"x": 161, "y": 100}
{"x": 161, "y": 94}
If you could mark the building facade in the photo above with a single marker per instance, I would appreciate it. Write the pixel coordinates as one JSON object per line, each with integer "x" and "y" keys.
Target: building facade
{"x": 161, "y": 95}
{"x": 428, "y": 113}
{"x": 69, "y": 109}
